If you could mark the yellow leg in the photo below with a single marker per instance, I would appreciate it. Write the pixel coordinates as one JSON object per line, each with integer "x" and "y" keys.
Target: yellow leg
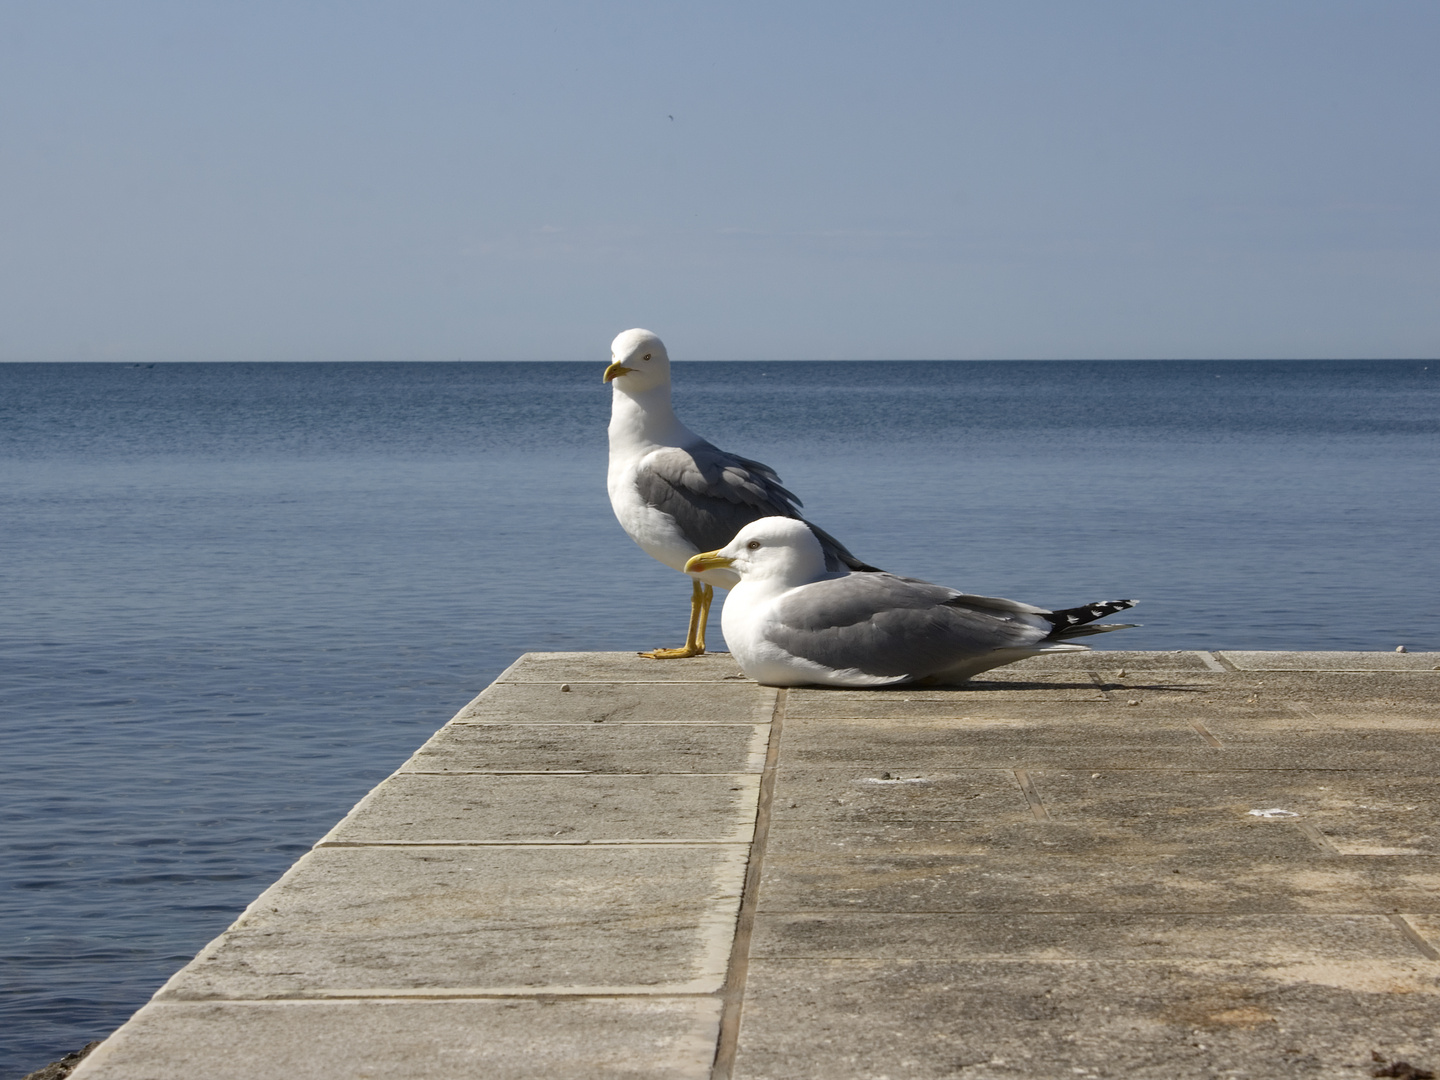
{"x": 704, "y": 615}
{"x": 700, "y": 597}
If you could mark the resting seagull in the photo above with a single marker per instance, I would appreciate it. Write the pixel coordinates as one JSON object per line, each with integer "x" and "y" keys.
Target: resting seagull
{"x": 792, "y": 622}
{"x": 678, "y": 495}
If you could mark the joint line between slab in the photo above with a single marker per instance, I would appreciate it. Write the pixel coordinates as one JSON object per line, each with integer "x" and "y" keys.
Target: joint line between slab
{"x": 1318, "y": 838}
{"x": 918, "y": 913}
{"x": 625, "y": 682}
{"x": 660, "y": 990}
{"x": 625, "y": 842}
{"x": 1204, "y": 733}
{"x": 733, "y": 992}
{"x": 706, "y": 724}
{"x": 1407, "y": 928}
{"x": 565, "y": 773}
{"x": 1032, "y": 796}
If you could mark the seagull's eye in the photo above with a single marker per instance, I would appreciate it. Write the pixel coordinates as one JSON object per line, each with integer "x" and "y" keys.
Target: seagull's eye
{"x": 753, "y": 545}
{"x": 645, "y": 357}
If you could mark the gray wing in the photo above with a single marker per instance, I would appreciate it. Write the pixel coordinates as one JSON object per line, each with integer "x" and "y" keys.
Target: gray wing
{"x": 891, "y": 626}
{"x": 712, "y": 495}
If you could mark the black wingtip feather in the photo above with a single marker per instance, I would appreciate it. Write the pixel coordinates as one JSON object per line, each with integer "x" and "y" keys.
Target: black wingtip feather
{"x": 837, "y": 553}
{"x": 1072, "y": 622}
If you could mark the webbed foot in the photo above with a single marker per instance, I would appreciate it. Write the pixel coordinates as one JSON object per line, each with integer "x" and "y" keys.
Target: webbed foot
{"x": 700, "y": 598}
{"x": 674, "y": 654}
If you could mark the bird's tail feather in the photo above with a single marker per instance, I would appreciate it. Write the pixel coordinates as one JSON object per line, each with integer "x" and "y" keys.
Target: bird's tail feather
{"x": 1086, "y": 631}
{"x": 1079, "y": 621}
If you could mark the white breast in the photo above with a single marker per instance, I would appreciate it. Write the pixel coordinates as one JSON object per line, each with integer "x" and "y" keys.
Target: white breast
{"x": 653, "y": 531}
{"x": 637, "y": 431}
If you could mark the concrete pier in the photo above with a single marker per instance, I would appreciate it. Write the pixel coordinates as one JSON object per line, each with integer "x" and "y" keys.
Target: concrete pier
{"x": 1159, "y": 865}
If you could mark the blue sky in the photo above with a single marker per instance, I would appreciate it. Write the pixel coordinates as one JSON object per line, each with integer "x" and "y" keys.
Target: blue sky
{"x": 430, "y": 180}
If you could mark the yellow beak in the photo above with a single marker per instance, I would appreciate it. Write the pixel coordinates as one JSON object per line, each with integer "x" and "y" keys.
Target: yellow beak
{"x": 615, "y": 370}
{"x": 707, "y": 560}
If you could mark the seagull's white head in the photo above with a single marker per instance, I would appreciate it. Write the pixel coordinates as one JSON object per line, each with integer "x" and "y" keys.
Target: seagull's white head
{"x": 638, "y": 361}
{"x": 776, "y": 549}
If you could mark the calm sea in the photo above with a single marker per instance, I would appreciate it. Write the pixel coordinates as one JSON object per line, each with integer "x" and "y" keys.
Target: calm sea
{"x": 235, "y": 596}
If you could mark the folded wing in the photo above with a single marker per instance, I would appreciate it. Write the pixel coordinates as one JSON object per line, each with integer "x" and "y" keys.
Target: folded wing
{"x": 890, "y": 626}
{"x": 711, "y": 495}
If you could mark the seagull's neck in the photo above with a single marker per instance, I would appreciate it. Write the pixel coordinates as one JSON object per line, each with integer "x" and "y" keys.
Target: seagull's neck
{"x": 645, "y": 419}
{"x": 795, "y": 574}
{"x": 753, "y": 592}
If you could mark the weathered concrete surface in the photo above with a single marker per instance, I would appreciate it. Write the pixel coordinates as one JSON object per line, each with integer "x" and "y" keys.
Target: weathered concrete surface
{"x": 465, "y": 808}
{"x": 548, "y": 888}
{"x": 481, "y": 920}
{"x": 611, "y": 867}
{"x": 1060, "y": 875}
{"x": 632, "y": 1038}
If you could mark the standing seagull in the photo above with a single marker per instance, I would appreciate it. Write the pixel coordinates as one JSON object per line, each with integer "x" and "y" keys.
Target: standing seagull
{"x": 676, "y": 494}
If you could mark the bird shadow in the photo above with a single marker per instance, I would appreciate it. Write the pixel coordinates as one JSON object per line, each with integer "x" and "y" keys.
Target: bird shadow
{"x": 973, "y": 687}
{"x": 1012, "y": 685}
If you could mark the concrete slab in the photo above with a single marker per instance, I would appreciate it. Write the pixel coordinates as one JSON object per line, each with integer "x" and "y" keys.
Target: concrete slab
{"x": 578, "y": 667}
{"x": 868, "y": 795}
{"x": 1251, "y": 694}
{"x": 1109, "y": 660}
{"x": 1023, "y": 836}
{"x": 1086, "y": 936}
{"x": 594, "y": 748}
{"x": 471, "y": 808}
{"x": 1359, "y": 813}
{"x": 1046, "y": 1021}
{"x": 650, "y": 1038}
{"x": 618, "y": 702}
{"x": 1398, "y": 692}
{"x": 1204, "y": 741}
{"x": 806, "y": 872}
{"x": 481, "y": 921}
{"x": 1333, "y": 661}
{"x": 913, "y": 704}
{"x": 1336, "y": 723}
{"x": 1197, "y": 801}
{"x": 931, "y": 740}
{"x": 814, "y": 705}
